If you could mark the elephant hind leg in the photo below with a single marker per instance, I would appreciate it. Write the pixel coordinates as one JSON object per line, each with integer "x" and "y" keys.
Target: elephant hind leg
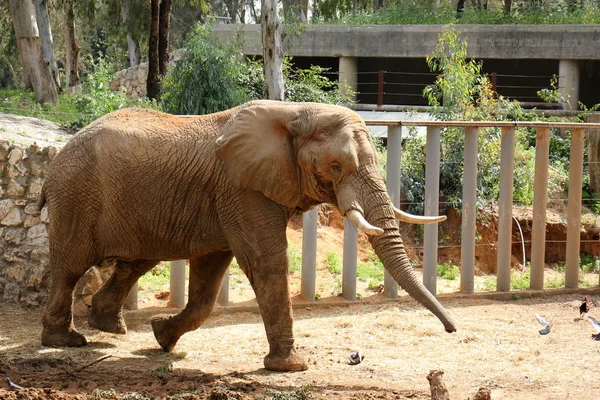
{"x": 57, "y": 319}
{"x": 206, "y": 276}
{"x": 107, "y": 304}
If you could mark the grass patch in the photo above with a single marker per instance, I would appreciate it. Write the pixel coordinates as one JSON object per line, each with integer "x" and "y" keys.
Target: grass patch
{"x": 448, "y": 271}
{"x": 371, "y": 271}
{"x": 334, "y": 263}
{"x": 304, "y": 393}
{"x": 294, "y": 258}
{"x": 157, "y": 278}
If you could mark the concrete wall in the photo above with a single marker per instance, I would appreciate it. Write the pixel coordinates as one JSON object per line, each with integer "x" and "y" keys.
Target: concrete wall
{"x": 578, "y": 42}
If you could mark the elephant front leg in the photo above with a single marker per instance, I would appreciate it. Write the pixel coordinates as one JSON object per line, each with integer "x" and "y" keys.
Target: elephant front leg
{"x": 107, "y": 304}
{"x": 206, "y": 275}
{"x": 270, "y": 283}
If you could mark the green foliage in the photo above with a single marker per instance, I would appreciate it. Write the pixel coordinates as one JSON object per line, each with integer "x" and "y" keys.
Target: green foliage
{"x": 404, "y": 12}
{"x": 589, "y": 264}
{"x": 334, "y": 263}
{"x": 371, "y": 270}
{"x": 304, "y": 393}
{"x": 17, "y": 101}
{"x": 157, "y": 278}
{"x": 204, "y": 80}
{"x": 448, "y": 271}
{"x": 299, "y": 84}
{"x": 97, "y": 98}
{"x": 294, "y": 258}
{"x": 552, "y": 95}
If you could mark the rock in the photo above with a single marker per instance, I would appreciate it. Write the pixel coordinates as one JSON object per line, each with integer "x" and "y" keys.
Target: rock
{"x": 16, "y": 272}
{"x": 15, "y": 156}
{"x": 13, "y": 218}
{"x": 14, "y": 189}
{"x": 4, "y": 149}
{"x": 37, "y": 235}
{"x": 11, "y": 293}
{"x": 44, "y": 215}
{"x": 38, "y": 278}
{"x": 5, "y": 206}
{"x": 30, "y": 208}
{"x": 32, "y": 299}
{"x": 14, "y": 236}
{"x": 30, "y": 221}
{"x": 35, "y": 188}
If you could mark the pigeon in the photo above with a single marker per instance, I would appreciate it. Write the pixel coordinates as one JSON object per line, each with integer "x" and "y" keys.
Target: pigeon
{"x": 13, "y": 386}
{"x": 596, "y": 325}
{"x": 355, "y": 358}
{"x": 584, "y": 308}
{"x": 547, "y": 326}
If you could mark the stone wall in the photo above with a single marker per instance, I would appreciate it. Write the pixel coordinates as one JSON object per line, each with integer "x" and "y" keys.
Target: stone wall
{"x": 131, "y": 81}
{"x": 23, "y": 236}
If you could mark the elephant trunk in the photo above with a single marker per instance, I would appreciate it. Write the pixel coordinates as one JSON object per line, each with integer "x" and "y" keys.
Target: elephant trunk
{"x": 379, "y": 211}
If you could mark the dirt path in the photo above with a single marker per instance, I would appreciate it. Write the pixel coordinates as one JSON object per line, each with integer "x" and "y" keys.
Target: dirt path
{"x": 497, "y": 346}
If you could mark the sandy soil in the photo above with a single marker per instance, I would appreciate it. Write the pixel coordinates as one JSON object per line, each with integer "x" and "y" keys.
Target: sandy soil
{"x": 497, "y": 346}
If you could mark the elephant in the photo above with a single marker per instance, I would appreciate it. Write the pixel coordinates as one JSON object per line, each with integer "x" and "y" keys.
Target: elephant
{"x": 138, "y": 186}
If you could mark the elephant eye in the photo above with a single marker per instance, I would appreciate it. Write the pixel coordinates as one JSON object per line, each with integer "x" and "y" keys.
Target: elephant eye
{"x": 335, "y": 168}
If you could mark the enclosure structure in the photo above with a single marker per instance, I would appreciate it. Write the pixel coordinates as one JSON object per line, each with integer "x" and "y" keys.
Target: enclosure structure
{"x": 469, "y": 210}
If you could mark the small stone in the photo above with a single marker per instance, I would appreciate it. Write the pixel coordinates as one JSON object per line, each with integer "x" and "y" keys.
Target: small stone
{"x": 4, "y": 149}
{"x": 30, "y": 221}
{"x": 37, "y": 235}
{"x": 30, "y": 208}
{"x": 13, "y": 218}
{"x": 11, "y": 293}
{"x": 37, "y": 279}
{"x": 35, "y": 188}
{"x": 44, "y": 215}
{"x": 15, "y": 156}
{"x": 5, "y": 206}
{"x": 14, "y": 189}
{"x": 14, "y": 236}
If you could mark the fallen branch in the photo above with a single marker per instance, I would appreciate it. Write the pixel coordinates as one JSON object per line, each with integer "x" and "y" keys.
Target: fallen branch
{"x": 96, "y": 361}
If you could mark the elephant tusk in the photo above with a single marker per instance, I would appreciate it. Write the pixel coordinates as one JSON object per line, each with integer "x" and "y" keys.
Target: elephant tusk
{"x": 361, "y": 223}
{"x": 417, "y": 219}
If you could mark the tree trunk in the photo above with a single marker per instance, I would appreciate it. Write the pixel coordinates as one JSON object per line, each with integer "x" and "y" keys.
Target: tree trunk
{"x": 132, "y": 43}
{"x": 593, "y": 142}
{"x": 152, "y": 88}
{"x": 272, "y": 40}
{"x": 507, "y": 6}
{"x": 377, "y": 5}
{"x": 43, "y": 22}
{"x": 72, "y": 47}
{"x": 35, "y": 69}
{"x": 163, "y": 36}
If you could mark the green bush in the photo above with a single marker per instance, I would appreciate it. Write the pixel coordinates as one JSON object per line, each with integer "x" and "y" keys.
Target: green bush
{"x": 205, "y": 79}
{"x": 448, "y": 271}
{"x": 97, "y": 99}
{"x": 294, "y": 259}
{"x": 333, "y": 262}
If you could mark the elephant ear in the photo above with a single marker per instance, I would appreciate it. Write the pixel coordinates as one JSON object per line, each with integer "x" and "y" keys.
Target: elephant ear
{"x": 257, "y": 150}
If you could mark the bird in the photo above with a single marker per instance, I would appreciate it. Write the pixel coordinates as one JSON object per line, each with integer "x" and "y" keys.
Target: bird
{"x": 13, "y": 386}
{"x": 355, "y": 358}
{"x": 596, "y": 325}
{"x": 584, "y": 308}
{"x": 547, "y": 325}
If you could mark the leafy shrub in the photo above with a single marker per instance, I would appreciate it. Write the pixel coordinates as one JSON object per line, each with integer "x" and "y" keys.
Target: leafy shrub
{"x": 205, "y": 79}
{"x": 448, "y": 271}
{"x": 294, "y": 258}
{"x": 334, "y": 264}
{"x": 97, "y": 99}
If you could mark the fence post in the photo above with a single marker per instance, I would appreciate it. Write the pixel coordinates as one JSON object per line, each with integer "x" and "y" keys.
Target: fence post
{"x": 349, "y": 261}
{"x": 574, "y": 209}
{"x": 131, "y": 302}
{"x": 380, "y": 76}
{"x": 309, "y": 254}
{"x": 177, "y": 284}
{"x": 540, "y": 197}
{"x": 223, "y": 298}
{"x": 431, "y": 206}
{"x": 507, "y": 157}
{"x": 394, "y": 166}
{"x": 469, "y": 213}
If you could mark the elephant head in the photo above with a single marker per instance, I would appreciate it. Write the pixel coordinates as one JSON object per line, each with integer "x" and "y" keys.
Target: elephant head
{"x": 303, "y": 154}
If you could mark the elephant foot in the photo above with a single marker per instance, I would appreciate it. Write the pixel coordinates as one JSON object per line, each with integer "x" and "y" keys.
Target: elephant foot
{"x": 107, "y": 321}
{"x": 292, "y": 361}
{"x": 59, "y": 337}
{"x": 164, "y": 332}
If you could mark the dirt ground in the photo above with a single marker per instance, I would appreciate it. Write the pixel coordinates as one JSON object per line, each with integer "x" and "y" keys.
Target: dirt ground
{"x": 497, "y": 346}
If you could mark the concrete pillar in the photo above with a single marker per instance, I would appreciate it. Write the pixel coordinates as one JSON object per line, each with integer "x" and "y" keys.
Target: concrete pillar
{"x": 568, "y": 82}
{"x": 469, "y": 213}
{"x": 177, "y": 284}
{"x": 131, "y": 303}
{"x": 309, "y": 254}
{"x": 350, "y": 263}
{"x": 394, "y": 153}
{"x": 540, "y": 196}
{"x": 507, "y": 161}
{"x": 432, "y": 206}
{"x": 348, "y": 75}
{"x": 223, "y": 298}
{"x": 574, "y": 209}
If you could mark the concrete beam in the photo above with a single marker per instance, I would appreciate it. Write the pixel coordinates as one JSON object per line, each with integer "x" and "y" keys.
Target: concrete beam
{"x": 575, "y": 42}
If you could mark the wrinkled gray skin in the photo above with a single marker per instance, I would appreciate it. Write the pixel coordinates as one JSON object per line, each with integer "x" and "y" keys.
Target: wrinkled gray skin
{"x": 141, "y": 186}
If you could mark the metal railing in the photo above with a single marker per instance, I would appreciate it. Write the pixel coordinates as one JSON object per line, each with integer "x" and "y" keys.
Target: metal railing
{"x": 469, "y": 209}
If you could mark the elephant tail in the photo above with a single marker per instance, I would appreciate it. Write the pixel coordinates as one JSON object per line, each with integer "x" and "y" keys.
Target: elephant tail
{"x": 40, "y": 203}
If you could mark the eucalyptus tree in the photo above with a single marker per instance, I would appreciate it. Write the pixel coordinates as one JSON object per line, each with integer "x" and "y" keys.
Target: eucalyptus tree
{"x": 36, "y": 73}
{"x": 45, "y": 30}
{"x": 272, "y": 38}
